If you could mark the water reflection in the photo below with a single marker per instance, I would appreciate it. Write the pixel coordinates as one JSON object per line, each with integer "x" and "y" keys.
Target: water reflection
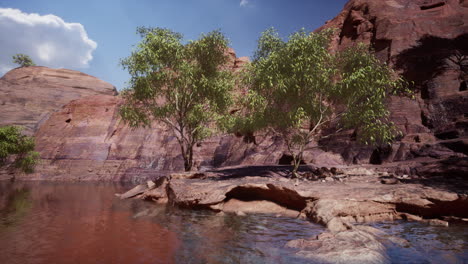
{"x": 428, "y": 244}
{"x": 85, "y": 223}
{"x": 75, "y": 223}
{"x": 207, "y": 237}
{"x": 14, "y": 206}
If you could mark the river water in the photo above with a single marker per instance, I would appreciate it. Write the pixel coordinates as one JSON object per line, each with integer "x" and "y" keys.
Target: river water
{"x": 85, "y": 223}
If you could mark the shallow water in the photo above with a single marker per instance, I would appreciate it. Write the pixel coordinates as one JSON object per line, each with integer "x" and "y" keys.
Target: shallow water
{"x": 428, "y": 244}
{"x": 85, "y": 223}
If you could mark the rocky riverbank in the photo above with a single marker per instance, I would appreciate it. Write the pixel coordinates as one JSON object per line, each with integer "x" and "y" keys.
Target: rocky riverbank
{"x": 337, "y": 198}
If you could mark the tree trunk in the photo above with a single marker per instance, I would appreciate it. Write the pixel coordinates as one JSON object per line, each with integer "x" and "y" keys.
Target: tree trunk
{"x": 297, "y": 159}
{"x": 188, "y": 158}
{"x": 187, "y": 165}
{"x": 296, "y": 163}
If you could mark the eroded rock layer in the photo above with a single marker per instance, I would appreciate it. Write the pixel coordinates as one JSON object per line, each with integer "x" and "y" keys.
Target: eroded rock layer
{"x": 343, "y": 207}
{"x": 427, "y": 42}
{"x": 29, "y": 95}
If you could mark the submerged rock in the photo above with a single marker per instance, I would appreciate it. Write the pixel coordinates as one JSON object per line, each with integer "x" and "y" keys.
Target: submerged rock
{"x": 437, "y": 222}
{"x": 348, "y": 247}
{"x": 139, "y": 189}
{"x": 262, "y": 206}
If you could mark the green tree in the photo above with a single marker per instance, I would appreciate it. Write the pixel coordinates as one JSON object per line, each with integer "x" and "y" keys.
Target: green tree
{"x": 12, "y": 142}
{"x": 297, "y": 88}
{"x": 23, "y": 60}
{"x": 183, "y": 86}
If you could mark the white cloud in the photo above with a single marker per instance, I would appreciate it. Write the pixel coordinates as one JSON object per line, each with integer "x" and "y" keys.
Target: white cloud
{"x": 244, "y": 2}
{"x": 47, "y": 39}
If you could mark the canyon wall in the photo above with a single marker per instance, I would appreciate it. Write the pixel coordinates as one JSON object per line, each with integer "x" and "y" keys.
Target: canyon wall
{"x": 29, "y": 95}
{"x": 80, "y": 136}
{"x": 426, "y": 41}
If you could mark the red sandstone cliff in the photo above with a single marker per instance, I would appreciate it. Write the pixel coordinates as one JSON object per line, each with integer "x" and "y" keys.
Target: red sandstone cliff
{"x": 28, "y": 95}
{"x": 427, "y": 42}
{"x": 86, "y": 140}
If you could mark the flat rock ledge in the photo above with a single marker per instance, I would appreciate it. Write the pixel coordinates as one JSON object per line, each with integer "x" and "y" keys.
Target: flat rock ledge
{"x": 336, "y": 205}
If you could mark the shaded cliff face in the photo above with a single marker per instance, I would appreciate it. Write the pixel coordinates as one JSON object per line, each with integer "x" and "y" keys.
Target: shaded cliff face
{"x": 393, "y": 26}
{"x": 427, "y": 42}
{"x": 28, "y": 95}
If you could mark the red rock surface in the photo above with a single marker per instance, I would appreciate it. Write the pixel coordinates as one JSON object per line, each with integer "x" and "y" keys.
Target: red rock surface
{"x": 417, "y": 38}
{"x": 86, "y": 139}
{"x": 28, "y": 95}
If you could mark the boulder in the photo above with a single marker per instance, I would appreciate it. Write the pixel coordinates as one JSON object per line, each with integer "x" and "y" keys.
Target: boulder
{"x": 326, "y": 210}
{"x": 157, "y": 193}
{"x": 137, "y": 190}
{"x": 150, "y": 185}
{"x": 337, "y": 225}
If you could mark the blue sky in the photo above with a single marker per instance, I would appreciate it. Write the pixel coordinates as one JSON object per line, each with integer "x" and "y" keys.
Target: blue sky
{"x": 111, "y": 24}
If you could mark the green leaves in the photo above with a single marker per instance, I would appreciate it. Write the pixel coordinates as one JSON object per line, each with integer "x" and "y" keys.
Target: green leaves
{"x": 268, "y": 43}
{"x": 289, "y": 77}
{"x": 184, "y": 86}
{"x": 294, "y": 87}
{"x": 365, "y": 84}
{"x": 297, "y": 88}
{"x": 23, "y": 60}
{"x": 12, "y": 142}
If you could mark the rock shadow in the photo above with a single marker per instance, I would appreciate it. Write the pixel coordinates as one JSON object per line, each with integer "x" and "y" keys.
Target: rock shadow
{"x": 267, "y": 171}
{"x": 431, "y": 57}
{"x": 449, "y": 174}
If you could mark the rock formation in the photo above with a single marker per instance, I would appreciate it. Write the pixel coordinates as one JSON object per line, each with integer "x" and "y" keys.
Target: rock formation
{"x": 29, "y": 95}
{"x": 423, "y": 40}
{"x": 80, "y": 137}
{"x": 341, "y": 207}
{"x": 86, "y": 140}
{"x": 427, "y": 42}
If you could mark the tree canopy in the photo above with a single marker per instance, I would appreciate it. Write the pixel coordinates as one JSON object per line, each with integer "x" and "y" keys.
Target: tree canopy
{"x": 21, "y": 147}
{"x": 23, "y": 60}
{"x": 181, "y": 85}
{"x": 298, "y": 87}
